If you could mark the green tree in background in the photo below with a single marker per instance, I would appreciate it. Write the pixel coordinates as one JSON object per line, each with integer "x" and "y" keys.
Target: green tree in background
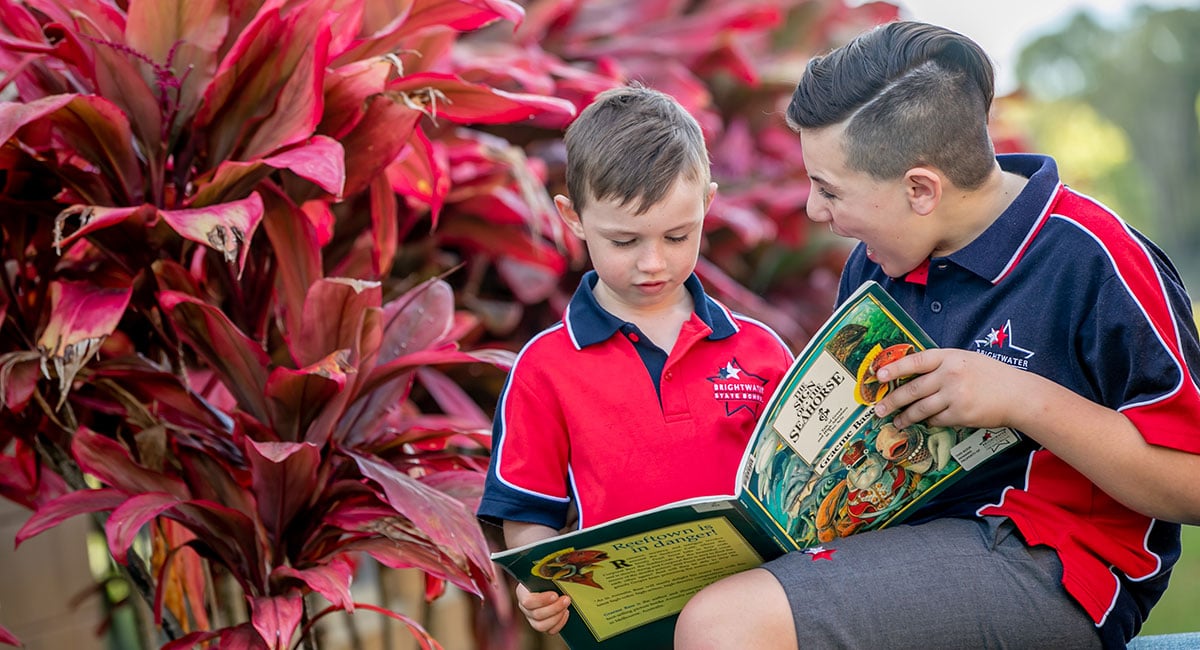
{"x": 1144, "y": 78}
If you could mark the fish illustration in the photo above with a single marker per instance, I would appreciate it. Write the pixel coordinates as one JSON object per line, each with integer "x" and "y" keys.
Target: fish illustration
{"x": 572, "y": 566}
{"x": 868, "y": 390}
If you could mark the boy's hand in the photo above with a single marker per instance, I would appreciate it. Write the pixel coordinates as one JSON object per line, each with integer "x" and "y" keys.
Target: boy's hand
{"x": 952, "y": 388}
{"x": 546, "y": 611}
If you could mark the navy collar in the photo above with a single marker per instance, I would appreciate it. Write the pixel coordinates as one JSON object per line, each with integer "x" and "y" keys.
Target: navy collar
{"x": 990, "y": 254}
{"x": 588, "y": 323}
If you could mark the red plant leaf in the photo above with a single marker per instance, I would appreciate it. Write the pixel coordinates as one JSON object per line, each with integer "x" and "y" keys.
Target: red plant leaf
{"x": 119, "y": 76}
{"x": 384, "y": 235}
{"x": 8, "y": 637}
{"x": 66, "y": 506}
{"x": 81, "y": 316}
{"x": 266, "y": 93}
{"x": 128, "y": 518}
{"x": 331, "y": 580}
{"x": 225, "y": 534}
{"x": 95, "y": 217}
{"x": 321, "y": 160}
{"x": 452, "y": 399}
{"x": 239, "y": 361}
{"x": 239, "y": 637}
{"x": 283, "y": 476}
{"x": 111, "y": 462}
{"x": 99, "y": 132}
{"x": 298, "y": 396}
{"x": 376, "y": 140}
{"x": 297, "y": 249}
{"x": 14, "y": 115}
{"x": 462, "y": 15}
{"x": 347, "y": 89}
{"x": 276, "y": 618}
{"x": 333, "y": 318}
{"x": 447, "y": 96}
{"x": 422, "y": 637}
{"x": 446, "y": 522}
{"x": 225, "y": 227}
{"x": 19, "y": 372}
{"x": 478, "y": 235}
{"x": 187, "y": 34}
{"x": 421, "y": 171}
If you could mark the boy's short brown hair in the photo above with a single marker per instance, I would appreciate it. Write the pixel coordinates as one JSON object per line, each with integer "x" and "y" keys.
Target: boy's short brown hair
{"x": 630, "y": 145}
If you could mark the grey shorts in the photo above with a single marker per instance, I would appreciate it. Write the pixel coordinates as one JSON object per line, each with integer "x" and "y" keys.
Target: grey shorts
{"x": 948, "y": 583}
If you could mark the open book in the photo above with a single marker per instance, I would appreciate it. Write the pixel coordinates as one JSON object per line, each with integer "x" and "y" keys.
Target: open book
{"x": 819, "y": 466}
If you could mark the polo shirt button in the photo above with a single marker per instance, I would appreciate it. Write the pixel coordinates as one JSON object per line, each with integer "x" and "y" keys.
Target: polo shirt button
{"x": 935, "y": 307}
{"x": 633, "y": 337}
{"x": 668, "y": 375}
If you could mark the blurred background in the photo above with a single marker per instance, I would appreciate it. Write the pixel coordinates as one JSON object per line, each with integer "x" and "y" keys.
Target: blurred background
{"x": 1109, "y": 88}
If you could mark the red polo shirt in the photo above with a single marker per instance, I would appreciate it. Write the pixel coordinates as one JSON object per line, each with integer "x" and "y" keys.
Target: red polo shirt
{"x": 594, "y": 413}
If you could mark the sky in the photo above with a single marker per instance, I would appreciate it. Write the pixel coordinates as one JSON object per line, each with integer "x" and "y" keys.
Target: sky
{"x": 1003, "y": 27}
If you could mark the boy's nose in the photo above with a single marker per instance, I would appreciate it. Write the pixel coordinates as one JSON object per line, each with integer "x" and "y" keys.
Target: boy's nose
{"x": 651, "y": 259}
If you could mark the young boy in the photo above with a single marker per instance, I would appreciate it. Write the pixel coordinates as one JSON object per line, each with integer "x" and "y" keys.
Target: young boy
{"x": 1058, "y": 320}
{"x": 648, "y": 390}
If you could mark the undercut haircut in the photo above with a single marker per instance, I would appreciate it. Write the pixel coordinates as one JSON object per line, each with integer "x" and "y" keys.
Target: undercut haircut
{"x": 631, "y": 145}
{"x": 910, "y": 94}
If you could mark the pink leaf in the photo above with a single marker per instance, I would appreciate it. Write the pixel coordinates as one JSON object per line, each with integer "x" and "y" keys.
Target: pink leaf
{"x": 283, "y": 476}
{"x": 385, "y": 237}
{"x": 347, "y": 89}
{"x": 125, "y": 522}
{"x": 8, "y": 637}
{"x": 321, "y": 160}
{"x": 81, "y": 316}
{"x": 421, "y": 171}
{"x": 446, "y": 522}
{"x": 446, "y": 96}
{"x": 111, "y": 462}
{"x": 333, "y": 313}
{"x": 186, "y": 34}
{"x": 14, "y": 115}
{"x": 239, "y": 361}
{"x": 68, "y": 505}
{"x": 277, "y": 618}
{"x": 94, "y": 217}
{"x": 225, "y": 227}
{"x": 266, "y": 93}
{"x": 297, "y": 247}
{"x": 331, "y": 580}
{"x": 376, "y": 140}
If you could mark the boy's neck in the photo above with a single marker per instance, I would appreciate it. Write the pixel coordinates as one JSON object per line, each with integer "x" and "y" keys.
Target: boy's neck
{"x": 975, "y": 211}
{"x": 660, "y": 323}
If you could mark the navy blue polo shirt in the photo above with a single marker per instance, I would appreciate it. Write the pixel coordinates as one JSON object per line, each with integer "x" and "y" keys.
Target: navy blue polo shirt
{"x": 594, "y": 413}
{"x": 1060, "y": 286}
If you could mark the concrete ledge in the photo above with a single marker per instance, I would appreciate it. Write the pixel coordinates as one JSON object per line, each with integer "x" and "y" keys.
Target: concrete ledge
{"x": 1179, "y": 641}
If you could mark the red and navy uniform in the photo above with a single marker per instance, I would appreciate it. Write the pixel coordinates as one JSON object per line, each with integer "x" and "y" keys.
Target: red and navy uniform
{"x": 595, "y": 413}
{"x": 1060, "y": 286}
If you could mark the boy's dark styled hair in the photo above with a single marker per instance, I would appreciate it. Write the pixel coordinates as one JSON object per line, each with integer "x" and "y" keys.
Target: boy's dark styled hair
{"x": 910, "y": 93}
{"x": 632, "y": 144}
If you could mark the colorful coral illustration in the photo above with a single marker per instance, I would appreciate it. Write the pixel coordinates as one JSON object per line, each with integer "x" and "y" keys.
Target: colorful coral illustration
{"x": 574, "y": 566}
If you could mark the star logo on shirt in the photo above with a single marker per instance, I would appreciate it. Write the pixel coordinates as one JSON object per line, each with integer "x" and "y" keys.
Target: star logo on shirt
{"x": 820, "y": 553}
{"x": 738, "y": 388}
{"x": 1000, "y": 340}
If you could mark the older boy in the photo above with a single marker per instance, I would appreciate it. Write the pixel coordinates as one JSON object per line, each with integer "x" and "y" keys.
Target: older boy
{"x": 648, "y": 390}
{"x": 1059, "y": 320}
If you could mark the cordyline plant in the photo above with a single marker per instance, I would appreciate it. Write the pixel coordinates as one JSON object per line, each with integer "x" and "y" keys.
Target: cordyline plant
{"x": 204, "y": 340}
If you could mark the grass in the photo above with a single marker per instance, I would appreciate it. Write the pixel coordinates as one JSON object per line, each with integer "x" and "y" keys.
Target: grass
{"x": 1176, "y": 612}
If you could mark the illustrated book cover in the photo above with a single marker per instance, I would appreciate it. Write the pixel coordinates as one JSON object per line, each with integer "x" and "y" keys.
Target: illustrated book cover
{"x": 820, "y": 465}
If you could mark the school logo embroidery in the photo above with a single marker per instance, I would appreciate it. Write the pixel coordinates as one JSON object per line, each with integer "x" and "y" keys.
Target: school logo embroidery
{"x": 998, "y": 344}
{"x": 738, "y": 388}
{"x": 820, "y": 553}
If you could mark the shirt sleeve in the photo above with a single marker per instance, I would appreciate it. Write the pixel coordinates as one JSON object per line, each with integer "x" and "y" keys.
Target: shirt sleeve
{"x": 527, "y": 477}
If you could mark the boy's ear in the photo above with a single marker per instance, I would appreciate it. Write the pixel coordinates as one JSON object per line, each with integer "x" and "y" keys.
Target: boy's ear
{"x": 566, "y": 210}
{"x": 924, "y": 189}
{"x": 710, "y": 195}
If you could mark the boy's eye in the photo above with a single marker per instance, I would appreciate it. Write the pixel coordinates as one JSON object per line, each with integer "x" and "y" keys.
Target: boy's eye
{"x": 622, "y": 243}
{"x": 825, "y": 194}
{"x": 677, "y": 239}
